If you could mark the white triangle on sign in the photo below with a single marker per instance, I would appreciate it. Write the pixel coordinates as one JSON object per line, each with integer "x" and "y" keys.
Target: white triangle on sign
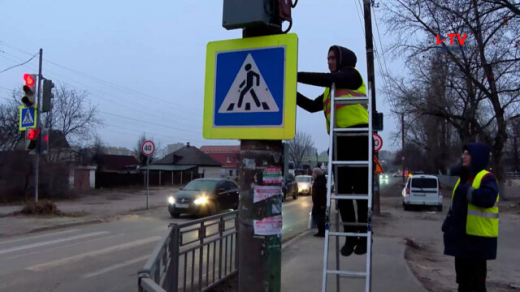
{"x": 28, "y": 119}
{"x": 249, "y": 92}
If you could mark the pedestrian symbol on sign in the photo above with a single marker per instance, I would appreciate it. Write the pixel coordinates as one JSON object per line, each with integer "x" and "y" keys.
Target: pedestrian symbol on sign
{"x": 249, "y": 92}
{"x": 28, "y": 119}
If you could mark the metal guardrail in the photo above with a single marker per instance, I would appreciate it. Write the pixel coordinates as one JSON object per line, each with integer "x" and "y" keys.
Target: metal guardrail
{"x": 193, "y": 256}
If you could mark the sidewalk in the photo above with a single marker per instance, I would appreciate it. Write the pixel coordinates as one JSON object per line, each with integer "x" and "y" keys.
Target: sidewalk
{"x": 302, "y": 262}
{"x": 100, "y": 207}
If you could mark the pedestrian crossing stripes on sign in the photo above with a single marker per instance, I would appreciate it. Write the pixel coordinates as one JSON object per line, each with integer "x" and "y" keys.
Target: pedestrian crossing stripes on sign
{"x": 249, "y": 92}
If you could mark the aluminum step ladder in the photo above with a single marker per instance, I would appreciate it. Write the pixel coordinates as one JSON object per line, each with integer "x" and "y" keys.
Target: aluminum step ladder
{"x": 336, "y": 132}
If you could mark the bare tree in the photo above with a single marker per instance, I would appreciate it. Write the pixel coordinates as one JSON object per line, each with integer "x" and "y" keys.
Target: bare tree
{"x": 10, "y": 136}
{"x": 481, "y": 92}
{"x": 298, "y": 146}
{"x": 73, "y": 115}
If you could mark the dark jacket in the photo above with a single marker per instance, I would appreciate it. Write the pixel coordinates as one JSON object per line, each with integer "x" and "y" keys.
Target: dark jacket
{"x": 456, "y": 242}
{"x": 319, "y": 195}
{"x": 346, "y": 77}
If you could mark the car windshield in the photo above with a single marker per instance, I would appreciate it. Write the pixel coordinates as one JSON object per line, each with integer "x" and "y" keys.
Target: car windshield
{"x": 201, "y": 185}
{"x": 303, "y": 179}
{"x": 430, "y": 183}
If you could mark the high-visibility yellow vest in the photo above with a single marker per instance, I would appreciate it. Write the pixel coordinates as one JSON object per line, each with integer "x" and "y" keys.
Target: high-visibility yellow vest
{"x": 480, "y": 221}
{"x": 346, "y": 115}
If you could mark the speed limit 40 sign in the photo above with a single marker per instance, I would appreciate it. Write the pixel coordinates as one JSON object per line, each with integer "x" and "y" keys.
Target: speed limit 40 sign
{"x": 148, "y": 148}
{"x": 378, "y": 142}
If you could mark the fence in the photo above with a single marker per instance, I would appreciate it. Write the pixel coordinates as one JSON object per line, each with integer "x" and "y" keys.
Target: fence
{"x": 193, "y": 256}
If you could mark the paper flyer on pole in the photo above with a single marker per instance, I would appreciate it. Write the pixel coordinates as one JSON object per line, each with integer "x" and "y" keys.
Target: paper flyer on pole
{"x": 272, "y": 175}
{"x": 268, "y": 226}
{"x": 265, "y": 192}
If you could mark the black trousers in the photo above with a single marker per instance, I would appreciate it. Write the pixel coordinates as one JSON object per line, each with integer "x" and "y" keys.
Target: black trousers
{"x": 471, "y": 274}
{"x": 320, "y": 222}
{"x": 352, "y": 180}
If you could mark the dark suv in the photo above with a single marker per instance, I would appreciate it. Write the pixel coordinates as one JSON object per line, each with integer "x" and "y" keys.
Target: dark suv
{"x": 289, "y": 187}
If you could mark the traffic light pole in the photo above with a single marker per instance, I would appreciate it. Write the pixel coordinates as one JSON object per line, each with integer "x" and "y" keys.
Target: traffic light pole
{"x": 37, "y": 158}
{"x": 259, "y": 256}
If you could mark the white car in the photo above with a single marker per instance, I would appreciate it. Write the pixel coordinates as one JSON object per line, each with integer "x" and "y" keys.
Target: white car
{"x": 422, "y": 190}
{"x": 304, "y": 184}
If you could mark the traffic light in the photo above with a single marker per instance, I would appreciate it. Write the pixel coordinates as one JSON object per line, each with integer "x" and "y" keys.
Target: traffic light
{"x": 29, "y": 89}
{"x": 47, "y": 95}
{"x": 45, "y": 147}
{"x": 31, "y": 139}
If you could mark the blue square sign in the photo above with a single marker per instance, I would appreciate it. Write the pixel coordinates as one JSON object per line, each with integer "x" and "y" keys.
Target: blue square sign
{"x": 27, "y": 118}
{"x": 249, "y": 87}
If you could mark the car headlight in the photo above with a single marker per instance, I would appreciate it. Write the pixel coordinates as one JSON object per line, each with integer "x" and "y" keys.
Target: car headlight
{"x": 201, "y": 201}
{"x": 171, "y": 200}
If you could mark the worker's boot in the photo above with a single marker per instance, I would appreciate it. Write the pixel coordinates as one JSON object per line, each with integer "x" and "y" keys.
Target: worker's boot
{"x": 349, "y": 246}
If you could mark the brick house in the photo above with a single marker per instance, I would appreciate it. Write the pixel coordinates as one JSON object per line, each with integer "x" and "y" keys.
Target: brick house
{"x": 228, "y": 156}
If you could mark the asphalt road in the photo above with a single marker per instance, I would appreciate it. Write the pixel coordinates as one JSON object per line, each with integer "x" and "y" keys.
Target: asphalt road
{"x": 101, "y": 257}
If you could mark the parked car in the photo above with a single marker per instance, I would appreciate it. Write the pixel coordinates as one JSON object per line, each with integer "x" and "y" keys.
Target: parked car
{"x": 304, "y": 184}
{"x": 422, "y": 190}
{"x": 289, "y": 187}
{"x": 204, "y": 196}
{"x": 397, "y": 174}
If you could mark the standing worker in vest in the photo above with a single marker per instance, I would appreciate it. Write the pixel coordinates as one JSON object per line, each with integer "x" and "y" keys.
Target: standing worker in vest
{"x": 471, "y": 226}
{"x": 348, "y": 83}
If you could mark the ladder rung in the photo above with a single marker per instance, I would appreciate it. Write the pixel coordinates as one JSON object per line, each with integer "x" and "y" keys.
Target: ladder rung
{"x": 351, "y": 100}
{"x": 351, "y": 162}
{"x": 348, "y": 234}
{"x": 349, "y": 197}
{"x": 348, "y": 130}
{"x": 347, "y": 274}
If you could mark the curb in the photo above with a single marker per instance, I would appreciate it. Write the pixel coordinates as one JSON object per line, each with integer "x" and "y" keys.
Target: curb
{"x": 292, "y": 240}
{"x": 65, "y": 225}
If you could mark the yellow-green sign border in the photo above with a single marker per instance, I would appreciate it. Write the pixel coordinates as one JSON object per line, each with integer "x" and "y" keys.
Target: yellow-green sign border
{"x": 288, "y": 131}
{"x": 21, "y": 118}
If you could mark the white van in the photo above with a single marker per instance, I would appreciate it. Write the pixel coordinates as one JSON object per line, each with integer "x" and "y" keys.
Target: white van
{"x": 422, "y": 190}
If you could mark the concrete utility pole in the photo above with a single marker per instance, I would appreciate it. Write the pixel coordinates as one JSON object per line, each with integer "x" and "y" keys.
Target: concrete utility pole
{"x": 38, "y": 126}
{"x": 402, "y": 143}
{"x": 259, "y": 257}
{"x": 372, "y": 87}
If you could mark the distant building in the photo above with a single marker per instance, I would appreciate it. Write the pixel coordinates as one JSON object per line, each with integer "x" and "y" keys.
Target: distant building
{"x": 183, "y": 165}
{"x": 228, "y": 156}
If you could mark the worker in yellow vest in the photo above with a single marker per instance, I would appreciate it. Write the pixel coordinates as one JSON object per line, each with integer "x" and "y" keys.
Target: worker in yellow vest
{"x": 471, "y": 226}
{"x": 348, "y": 83}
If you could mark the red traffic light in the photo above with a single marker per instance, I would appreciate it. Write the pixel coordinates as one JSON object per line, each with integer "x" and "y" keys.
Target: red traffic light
{"x": 33, "y": 134}
{"x": 29, "y": 80}
{"x": 46, "y": 138}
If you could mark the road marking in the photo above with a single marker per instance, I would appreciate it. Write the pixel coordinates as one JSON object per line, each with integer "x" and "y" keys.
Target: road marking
{"x": 117, "y": 266}
{"x": 62, "y": 246}
{"x": 44, "y": 243}
{"x": 82, "y": 256}
{"x": 38, "y": 236}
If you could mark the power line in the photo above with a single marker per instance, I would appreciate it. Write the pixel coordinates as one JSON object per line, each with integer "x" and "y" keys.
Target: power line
{"x": 359, "y": 15}
{"x": 151, "y": 123}
{"x": 380, "y": 42}
{"x": 107, "y": 83}
{"x": 7, "y": 69}
{"x": 102, "y": 92}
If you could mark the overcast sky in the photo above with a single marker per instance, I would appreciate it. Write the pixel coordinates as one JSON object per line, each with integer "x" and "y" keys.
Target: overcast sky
{"x": 142, "y": 62}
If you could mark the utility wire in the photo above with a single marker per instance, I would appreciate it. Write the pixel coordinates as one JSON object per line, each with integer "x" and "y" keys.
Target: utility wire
{"x": 7, "y": 69}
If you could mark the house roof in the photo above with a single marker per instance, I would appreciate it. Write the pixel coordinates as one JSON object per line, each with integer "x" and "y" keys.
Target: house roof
{"x": 117, "y": 162}
{"x": 223, "y": 158}
{"x": 58, "y": 140}
{"x": 220, "y": 149}
{"x": 188, "y": 155}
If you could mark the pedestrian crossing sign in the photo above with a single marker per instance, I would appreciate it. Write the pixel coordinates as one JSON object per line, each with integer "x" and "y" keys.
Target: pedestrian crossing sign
{"x": 250, "y": 88}
{"x": 28, "y": 117}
